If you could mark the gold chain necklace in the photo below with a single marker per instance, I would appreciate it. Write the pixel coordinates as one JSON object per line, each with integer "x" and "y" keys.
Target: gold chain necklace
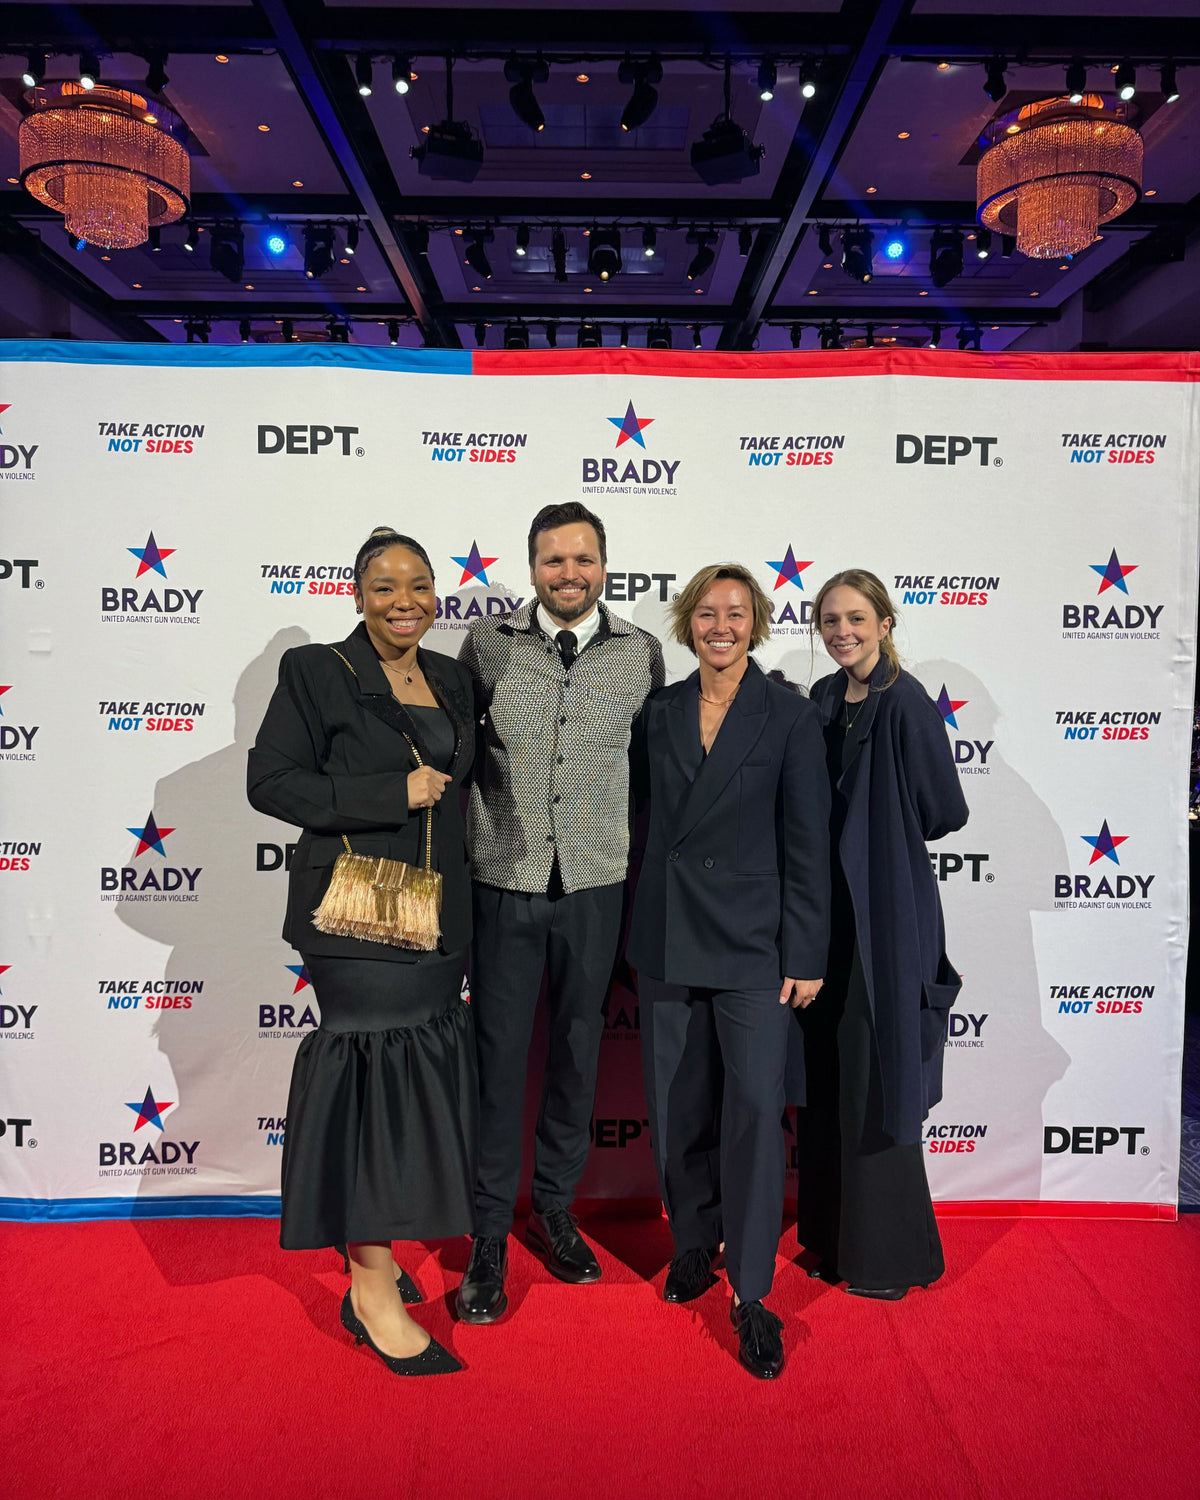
{"x": 851, "y": 721}
{"x": 408, "y": 676}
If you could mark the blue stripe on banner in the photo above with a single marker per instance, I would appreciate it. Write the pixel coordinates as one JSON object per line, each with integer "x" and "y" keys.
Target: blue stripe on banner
{"x": 235, "y": 356}
{"x": 38, "y": 1210}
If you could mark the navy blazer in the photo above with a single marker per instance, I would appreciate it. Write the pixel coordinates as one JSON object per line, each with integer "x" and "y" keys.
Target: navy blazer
{"x": 332, "y": 757}
{"x": 734, "y": 886}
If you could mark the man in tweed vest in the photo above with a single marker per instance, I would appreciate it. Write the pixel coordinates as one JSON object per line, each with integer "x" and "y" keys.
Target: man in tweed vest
{"x": 558, "y": 685}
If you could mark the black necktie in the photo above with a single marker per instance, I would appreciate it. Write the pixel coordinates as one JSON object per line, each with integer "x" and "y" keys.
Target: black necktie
{"x": 566, "y": 647}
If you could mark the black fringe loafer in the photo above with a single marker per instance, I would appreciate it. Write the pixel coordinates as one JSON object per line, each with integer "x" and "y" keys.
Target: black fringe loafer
{"x": 690, "y": 1275}
{"x": 760, "y": 1338}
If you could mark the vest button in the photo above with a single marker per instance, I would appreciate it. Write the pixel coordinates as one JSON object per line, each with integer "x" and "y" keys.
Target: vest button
{"x": 674, "y": 854}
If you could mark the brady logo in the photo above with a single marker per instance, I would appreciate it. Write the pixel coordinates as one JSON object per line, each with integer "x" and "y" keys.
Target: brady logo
{"x": 946, "y": 863}
{"x": 1111, "y": 621}
{"x": 157, "y": 1157}
{"x": 938, "y": 448}
{"x": 643, "y": 475}
{"x": 476, "y": 448}
{"x": 795, "y": 612}
{"x": 288, "y": 1020}
{"x": 16, "y": 1021}
{"x": 954, "y": 1139}
{"x": 152, "y": 883}
{"x": 452, "y": 609}
{"x": 965, "y": 1029}
{"x": 1091, "y": 1140}
{"x": 16, "y": 460}
{"x": 970, "y": 756}
{"x": 12, "y": 1132}
{"x": 274, "y": 857}
{"x": 16, "y": 740}
{"x": 173, "y": 606}
{"x": 24, "y": 566}
{"x": 311, "y": 440}
{"x": 1129, "y": 891}
{"x": 1101, "y": 999}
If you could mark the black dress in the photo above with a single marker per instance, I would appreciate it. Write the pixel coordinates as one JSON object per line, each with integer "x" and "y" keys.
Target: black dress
{"x": 863, "y": 1202}
{"x": 381, "y": 1122}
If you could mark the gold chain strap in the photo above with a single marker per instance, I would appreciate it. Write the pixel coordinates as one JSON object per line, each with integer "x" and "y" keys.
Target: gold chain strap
{"x": 420, "y": 762}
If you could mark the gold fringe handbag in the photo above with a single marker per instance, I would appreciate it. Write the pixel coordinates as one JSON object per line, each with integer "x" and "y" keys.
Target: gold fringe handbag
{"x": 384, "y": 900}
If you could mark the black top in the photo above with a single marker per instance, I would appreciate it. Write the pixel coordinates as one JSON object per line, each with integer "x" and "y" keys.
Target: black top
{"x": 842, "y": 740}
{"x": 437, "y": 734}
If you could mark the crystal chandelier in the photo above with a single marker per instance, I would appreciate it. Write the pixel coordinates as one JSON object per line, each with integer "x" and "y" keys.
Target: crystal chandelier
{"x": 1054, "y": 171}
{"x": 106, "y": 160}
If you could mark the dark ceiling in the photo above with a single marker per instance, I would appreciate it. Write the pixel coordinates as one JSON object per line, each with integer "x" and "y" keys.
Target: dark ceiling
{"x": 888, "y": 140}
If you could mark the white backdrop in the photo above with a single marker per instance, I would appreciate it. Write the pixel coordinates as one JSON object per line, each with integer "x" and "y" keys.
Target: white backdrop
{"x": 173, "y": 519}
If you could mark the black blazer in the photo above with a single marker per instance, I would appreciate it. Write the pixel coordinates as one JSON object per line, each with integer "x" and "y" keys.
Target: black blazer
{"x": 734, "y": 888}
{"x": 331, "y": 757}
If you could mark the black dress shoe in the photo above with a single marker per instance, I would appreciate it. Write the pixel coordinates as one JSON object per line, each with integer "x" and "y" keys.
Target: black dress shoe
{"x": 760, "y": 1338}
{"x": 883, "y": 1294}
{"x": 432, "y": 1360}
{"x": 690, "y": 1275}
{"x": 553, "y": 1238}
{"x": 481, "y": 1297}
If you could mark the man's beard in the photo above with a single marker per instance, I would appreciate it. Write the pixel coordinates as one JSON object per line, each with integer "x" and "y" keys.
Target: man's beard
{"x": 564, "y": 611}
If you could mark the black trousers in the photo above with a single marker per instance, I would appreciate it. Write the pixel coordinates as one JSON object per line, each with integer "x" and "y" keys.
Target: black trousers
{"x": 572, "y": 940}
{"x": 713, "y": 1062}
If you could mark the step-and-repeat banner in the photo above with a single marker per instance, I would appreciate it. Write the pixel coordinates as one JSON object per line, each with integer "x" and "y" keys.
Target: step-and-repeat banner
{"x": 173, "y": 519}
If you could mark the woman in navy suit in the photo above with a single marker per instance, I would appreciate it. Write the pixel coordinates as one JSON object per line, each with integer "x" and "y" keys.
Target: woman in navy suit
{"x": 729, "y": 932}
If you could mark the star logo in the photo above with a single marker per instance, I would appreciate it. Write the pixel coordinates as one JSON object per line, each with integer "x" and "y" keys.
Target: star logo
{"x": 3, "y": 690}
{"x": 151, "y": 556}
{"x": 789, "y": 570}
{"x": 4, "y": 968}
{"x": 1112, "y": 573}
{"x": 150, "y": 1111}
{"x": 301, "y": 973}
{"x": 1104, "y": 844}
{"x": 948, "y": 706}
{"x": 630, "y": 426}
{"x": 4, "y": 406}
{"x": 474, "y": 566}
{"x": 150, "y": 837}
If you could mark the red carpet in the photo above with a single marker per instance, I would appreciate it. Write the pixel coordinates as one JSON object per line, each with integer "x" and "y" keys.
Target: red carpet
{"x": 190, "y": 1358}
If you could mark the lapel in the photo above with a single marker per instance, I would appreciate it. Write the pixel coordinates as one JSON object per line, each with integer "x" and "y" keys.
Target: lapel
{"x": 741, "y": 731}
{"x": 864, "y": 725}
{"x": 377, "y": 699}
{"x": 683, "y": 726}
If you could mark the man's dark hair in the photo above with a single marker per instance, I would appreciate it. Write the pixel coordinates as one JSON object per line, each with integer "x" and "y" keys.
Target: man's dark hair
{"x": 550, "y": 517}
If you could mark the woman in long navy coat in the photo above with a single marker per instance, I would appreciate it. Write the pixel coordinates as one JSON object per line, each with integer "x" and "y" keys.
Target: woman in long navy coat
{"x": 873, "y": 1042}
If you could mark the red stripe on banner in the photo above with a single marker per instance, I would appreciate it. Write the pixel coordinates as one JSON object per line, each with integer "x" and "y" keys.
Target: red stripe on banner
{"x": 787, "y": 365}
{"x": 1004, "y": 1208}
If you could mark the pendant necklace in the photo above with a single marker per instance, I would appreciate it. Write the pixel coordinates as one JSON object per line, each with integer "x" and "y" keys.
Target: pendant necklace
{"x": 849, "y": 720}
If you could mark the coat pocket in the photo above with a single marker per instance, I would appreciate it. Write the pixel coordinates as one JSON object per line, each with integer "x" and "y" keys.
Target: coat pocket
{"x": 937, "y": 997}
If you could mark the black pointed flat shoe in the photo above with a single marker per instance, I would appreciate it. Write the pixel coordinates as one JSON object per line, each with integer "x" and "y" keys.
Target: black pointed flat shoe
{"x": 405, "y": 1285}
{"x": 432, "y": 1360}
{"x": 880, "y": 1294}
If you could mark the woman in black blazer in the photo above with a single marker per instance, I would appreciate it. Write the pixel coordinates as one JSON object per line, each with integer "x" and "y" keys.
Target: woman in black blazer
{"x": 365, "y": 742}
{"x": 729, "y": 931}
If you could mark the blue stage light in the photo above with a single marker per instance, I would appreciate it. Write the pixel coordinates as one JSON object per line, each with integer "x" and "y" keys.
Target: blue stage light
{"x": 894, "y": 248}
{"x": 277, "y": 242}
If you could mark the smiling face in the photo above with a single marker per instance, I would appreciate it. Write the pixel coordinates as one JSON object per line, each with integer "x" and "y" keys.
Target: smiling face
{"x": 567, "y": 574}
{"x": 722, "y": 624}
{"x": 852, "y": 631}
{"x": 398, "y": 601}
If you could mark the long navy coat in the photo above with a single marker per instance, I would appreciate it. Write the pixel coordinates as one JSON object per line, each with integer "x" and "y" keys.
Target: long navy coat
{"x": 902, "y": 789}
{"x": 734, "y": 888}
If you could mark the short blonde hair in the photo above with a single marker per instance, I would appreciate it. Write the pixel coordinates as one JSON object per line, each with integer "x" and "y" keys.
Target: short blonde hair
{"x": 686, "y": 604}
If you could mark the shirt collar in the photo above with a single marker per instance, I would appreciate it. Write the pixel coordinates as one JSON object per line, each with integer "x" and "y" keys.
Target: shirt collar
{"x": 584, "y": 629}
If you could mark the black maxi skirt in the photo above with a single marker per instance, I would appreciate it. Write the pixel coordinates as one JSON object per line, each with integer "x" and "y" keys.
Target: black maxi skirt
{"x": 382, "y": 1111}
{"x": 863, "y": 1201}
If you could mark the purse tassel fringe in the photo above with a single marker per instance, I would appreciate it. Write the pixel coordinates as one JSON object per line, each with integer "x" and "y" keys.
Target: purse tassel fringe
{"x": 382, "y": 901}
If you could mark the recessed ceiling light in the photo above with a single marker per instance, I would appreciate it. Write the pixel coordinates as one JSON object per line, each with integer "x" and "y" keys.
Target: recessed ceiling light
{"x": 296, "y": 182}
{"x": 995, "y": 328}
{"x": 249, "y": 288}
{"x": 872, "y": 190}
{"x": 1099, "y": 237}
{"x": 699, "y": 291}
{"x": 474, "y": 288}
{"x": 103, "y": 257}
{"x": 137, "y": 286}
{"x": 1035, "y": 294}
{"x": 1150, "y": 192}
{"x": 264, "y": 128}
{"x": 943, "y": 67}
{"x": 12, "y": 179}
{"x": 221, "y": 57}
{"x": 1064, "y": 267}
{"x": 586, "y": 233}
{"x": 585, "y": 177}
{"x": 1012, "y": 129}
{"x": 582, "y": 78}
{"x": 812, "y": 291}
{"x": 360, "y": 288}
{"x": 345, "y": 261}
{"x": 587, "y": 288}
{"x": 413, "y": 76}
{"x": 902, "y": 136}
{"x": 970, "y": 236}
{"x": 424, "y": 129}
{"x": 922, "y": 294}
{"x": 828, "y": 266}
{"x": 150, "y": 119}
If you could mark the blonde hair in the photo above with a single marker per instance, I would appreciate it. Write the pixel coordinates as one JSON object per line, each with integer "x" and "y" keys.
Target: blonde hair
{"x": 874, "y": 591}
{"x": 688, "y": 600}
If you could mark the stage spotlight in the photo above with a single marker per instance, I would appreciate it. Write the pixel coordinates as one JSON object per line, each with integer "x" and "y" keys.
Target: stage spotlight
{"x": 523, "y": 240}
{"x": 624, "y": 338}
{"x": 831, "y": 335}
{"x": 767, "y": 79}
{"x": 797, "y": 333}
{"x": 401, "y": 74}
{"x": 198, "y": 330}
{"x": 480, "y": 333}
{"x": 725, "y": 153}
{"x": 994, "y": 85}
{"x": 895, "y": 247}
{"x": 970, "y": 336}
{"x": 244, "y": 330}
{"x": 352, "y": 234}
{"x": 449, "y": 151}
{"x": 935, "y": 335}
{"x": 192, "y": 238}
{"x": 319, "y": 254}
{"x": 704, "y": 256}
{"x": 89, "y": 70}
{"x": 339, "y": 333}
{"x": 154, "y": 235}
{"x": 551, "y": 335}
{"x": 1126, "y": 81}
{"x": 697, "y": 341}
{"x": 590, "y": 336}
{"x": 857, "y": 253}
{"x": 288, "y": 331}
{"x": 558, "y": 253}
{"x": 156, "y": 73}
{"x": 476, "y": 255}
{"x": 227, "y": 251}
{"x": 523, "y": 75}
{"x": 35, "y": 70}
{"x": 649, "y": 241}
{"x": 1076, "y": 81}
{"x": 1008, "y": 246}
{"x": 869, "y": 336}
{"x": 824, "y": 241}
{"x": 644, "y": 99}
{"x": 1166, "y": 78}
{"x": 364, "y": 73}
{"x": 277, "y": 242}
{"x": 983, "y": 243}
{"x": 393, "y": 331}
{"x": 745, "y": 240}
{"x": 658, "y": 336}
{"x": 516, "y": 336}
{"x": 945, "y": 256}
{"x": 604, "y": 253}
{"x": 419, "y": 239}
{"x": 807, "y": 77}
